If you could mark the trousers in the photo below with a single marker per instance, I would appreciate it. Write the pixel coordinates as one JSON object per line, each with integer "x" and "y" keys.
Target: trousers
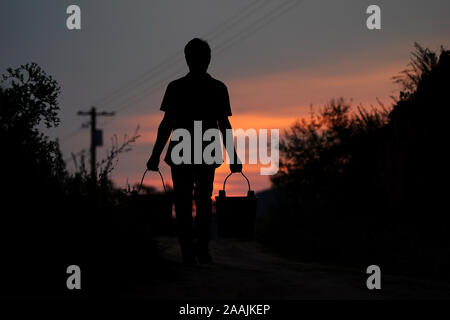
{"x": 193, "y": 183}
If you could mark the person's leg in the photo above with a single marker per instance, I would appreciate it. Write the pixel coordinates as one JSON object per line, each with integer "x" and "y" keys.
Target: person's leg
{"x": 204, "y": 179}
{"x": 183, "y": 184}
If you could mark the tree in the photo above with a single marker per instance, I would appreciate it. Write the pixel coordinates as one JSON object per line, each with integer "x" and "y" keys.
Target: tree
{"x": 33, "y": 174}
{"x": 28, "y": 101}
{"x": 315, "y": 152}
{"x": 371, "y": 182}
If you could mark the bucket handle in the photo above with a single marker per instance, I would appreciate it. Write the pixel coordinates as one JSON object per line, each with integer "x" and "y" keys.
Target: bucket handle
{"x": 248, "y": 182}
{"x": 162, "y": 180}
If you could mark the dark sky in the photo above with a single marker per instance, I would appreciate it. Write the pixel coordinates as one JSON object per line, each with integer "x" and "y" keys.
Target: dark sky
{"x": 277, "y": 57}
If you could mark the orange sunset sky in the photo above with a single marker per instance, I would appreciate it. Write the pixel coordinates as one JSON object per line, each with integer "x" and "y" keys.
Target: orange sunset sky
{"x": 275, "y": 100}
{"x": 276, "y": 57}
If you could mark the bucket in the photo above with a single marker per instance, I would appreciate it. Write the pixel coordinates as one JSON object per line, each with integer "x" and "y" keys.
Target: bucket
{"x": 236, "y": 215}
{"x": 153, "y": 212}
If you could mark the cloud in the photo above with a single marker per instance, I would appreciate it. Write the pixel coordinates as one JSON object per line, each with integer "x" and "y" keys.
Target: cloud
{"x": 289, "y": 94}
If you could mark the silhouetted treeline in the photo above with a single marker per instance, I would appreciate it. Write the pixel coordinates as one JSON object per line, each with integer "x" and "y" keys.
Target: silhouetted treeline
{"x": 32, "y": 181}
{"x": 51, "y": 219}
{"x": 368, "y": 187}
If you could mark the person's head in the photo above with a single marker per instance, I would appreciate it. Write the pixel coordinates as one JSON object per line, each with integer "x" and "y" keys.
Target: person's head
{"x": 198, "y": 55}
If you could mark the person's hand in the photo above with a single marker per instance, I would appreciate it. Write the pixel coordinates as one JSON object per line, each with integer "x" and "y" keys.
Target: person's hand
{"x": 153, "y": 164}
{"x": 236, "y": 167}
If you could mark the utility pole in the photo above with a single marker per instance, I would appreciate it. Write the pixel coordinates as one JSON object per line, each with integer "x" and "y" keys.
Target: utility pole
{"x": 96, "y": 136}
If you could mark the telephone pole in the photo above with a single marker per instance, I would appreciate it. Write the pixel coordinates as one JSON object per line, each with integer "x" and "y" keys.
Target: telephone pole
{"x": 96, "y": 136}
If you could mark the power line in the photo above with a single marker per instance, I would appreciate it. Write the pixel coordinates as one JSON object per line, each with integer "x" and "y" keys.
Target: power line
{"x": 240, "y": 37}
{"x": 222, "y": 47}
{"x": 225, "y": 45}
{"x": 230, "y": 42}
{"x": 177, "y": 57}
{"x": 224, "y": 25}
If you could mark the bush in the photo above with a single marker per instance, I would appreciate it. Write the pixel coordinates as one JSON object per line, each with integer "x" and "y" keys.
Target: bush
{"x": 361, "y": 186}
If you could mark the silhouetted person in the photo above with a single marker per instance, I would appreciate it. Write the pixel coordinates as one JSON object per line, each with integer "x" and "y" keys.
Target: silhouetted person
{"x": 194, "y": 97}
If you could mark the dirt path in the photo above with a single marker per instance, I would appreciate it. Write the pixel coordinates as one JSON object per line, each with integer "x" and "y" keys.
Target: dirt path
{"x": 245, "y": 270}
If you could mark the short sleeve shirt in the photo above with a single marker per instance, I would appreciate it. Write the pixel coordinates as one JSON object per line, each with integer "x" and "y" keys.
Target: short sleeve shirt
{"x": 195, "y": 98}
{"x": 199, "y": 96}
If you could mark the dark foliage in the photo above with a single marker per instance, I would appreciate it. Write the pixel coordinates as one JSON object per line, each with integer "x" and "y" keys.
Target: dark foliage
{"x": 51, "y": 219}
{"x": 366, "y": 187}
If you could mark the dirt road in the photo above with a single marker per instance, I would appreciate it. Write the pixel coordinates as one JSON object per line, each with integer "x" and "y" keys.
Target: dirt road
{"x": 246, "y": 270}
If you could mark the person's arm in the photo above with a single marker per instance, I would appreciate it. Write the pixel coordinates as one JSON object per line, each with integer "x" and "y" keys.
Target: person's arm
{"x": 224, "y": 125}
{"x": 164, "y": 131}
